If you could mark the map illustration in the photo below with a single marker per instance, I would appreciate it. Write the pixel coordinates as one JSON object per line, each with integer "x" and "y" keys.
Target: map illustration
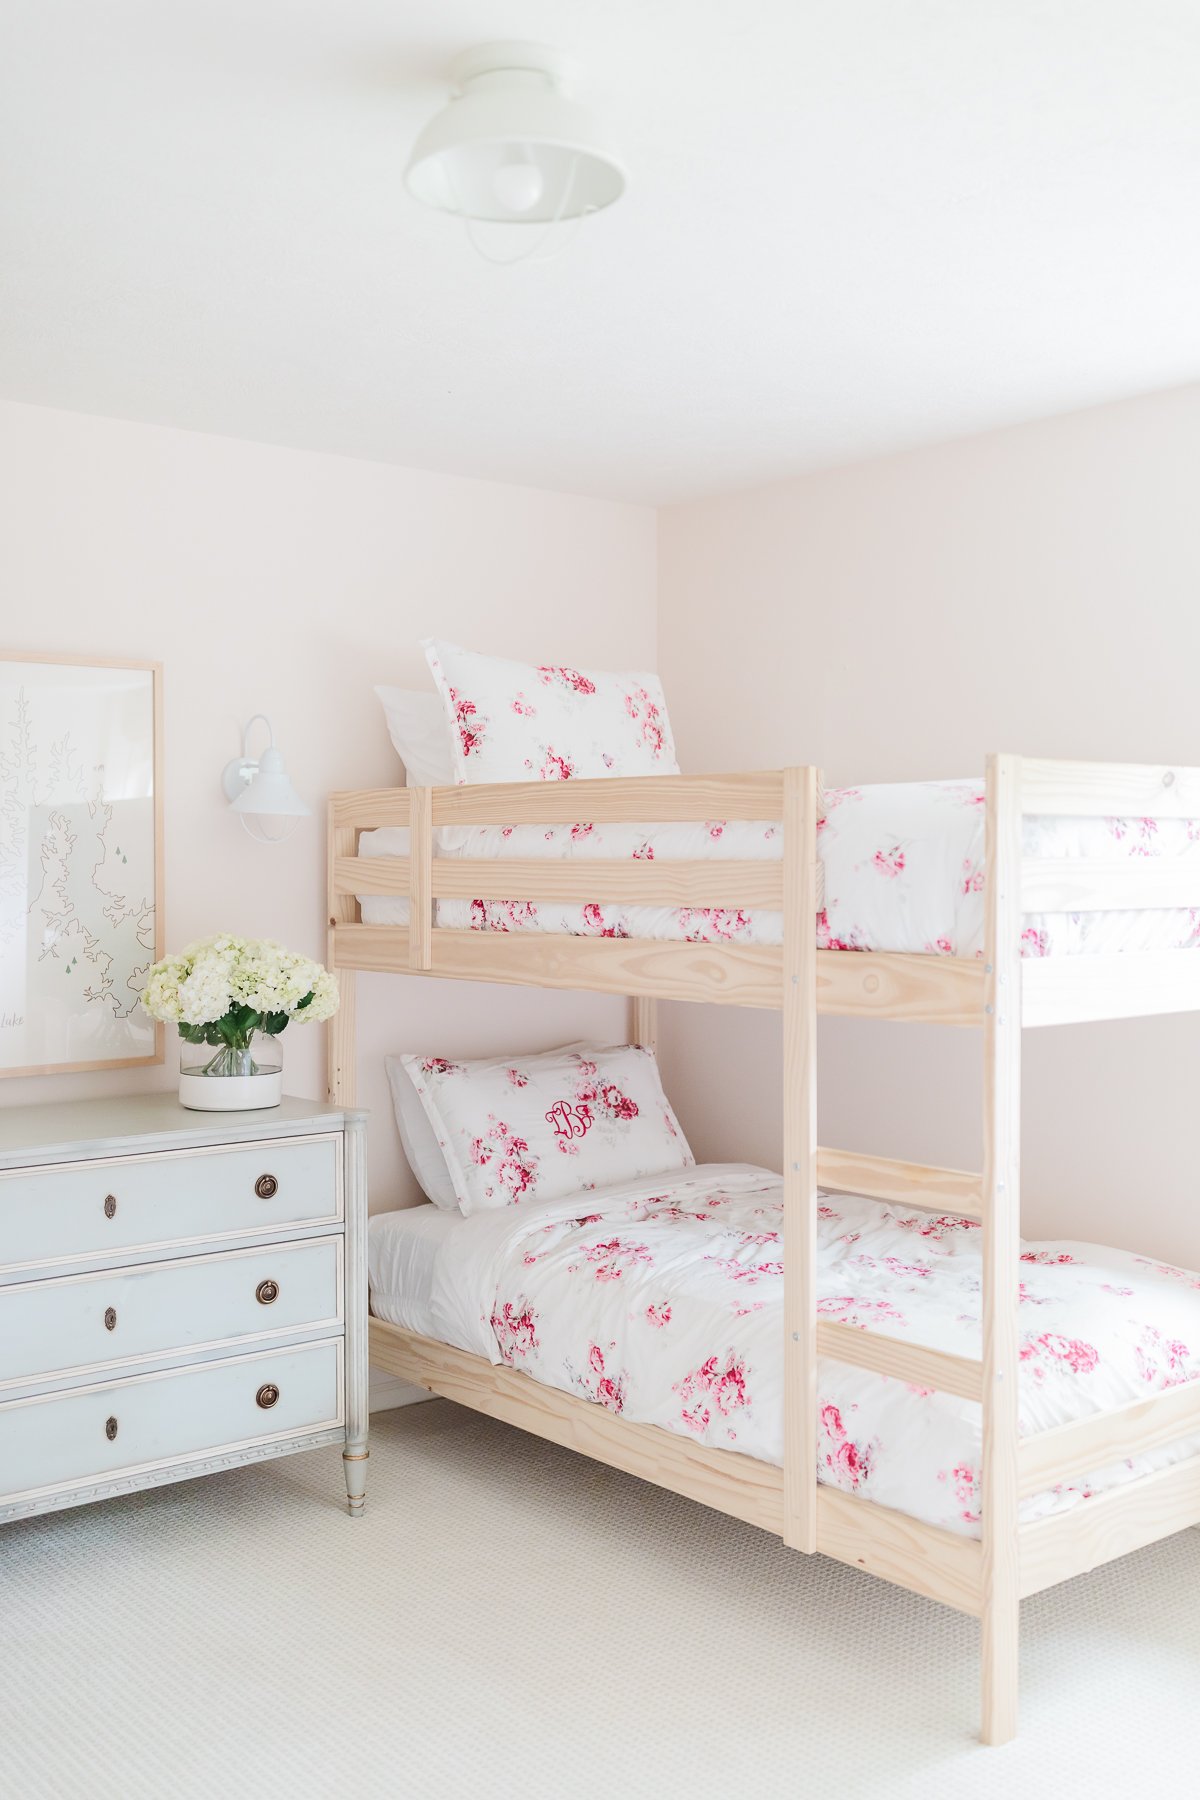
{"x": 77, "y": 864}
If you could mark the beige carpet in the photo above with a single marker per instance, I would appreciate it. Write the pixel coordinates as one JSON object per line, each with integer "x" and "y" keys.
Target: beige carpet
{"x": 512, "y": 1622}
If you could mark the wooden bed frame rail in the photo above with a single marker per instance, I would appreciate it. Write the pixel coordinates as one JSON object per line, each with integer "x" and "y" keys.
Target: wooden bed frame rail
{"x": 1000, "y": 993}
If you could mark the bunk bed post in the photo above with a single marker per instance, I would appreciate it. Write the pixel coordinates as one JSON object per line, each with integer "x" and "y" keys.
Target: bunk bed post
{"x": 799, "y": 1005}
{"x": 1001, "y": 1248}
{"x": 644, "y": 1021}
{"x": 420, "y": 888}
{"x": 342, "y": 840}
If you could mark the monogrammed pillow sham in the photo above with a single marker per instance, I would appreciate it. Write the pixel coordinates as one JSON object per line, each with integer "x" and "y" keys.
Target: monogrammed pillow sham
{"x": 541, "y": 1127}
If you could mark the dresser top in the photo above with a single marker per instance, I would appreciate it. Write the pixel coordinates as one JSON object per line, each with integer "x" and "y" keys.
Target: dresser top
{"x": 131, "y": 1123}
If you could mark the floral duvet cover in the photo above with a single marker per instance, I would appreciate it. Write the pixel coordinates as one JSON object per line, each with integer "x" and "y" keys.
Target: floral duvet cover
{"x": 904, "y": 870}
{"x": 662, "y": 1301}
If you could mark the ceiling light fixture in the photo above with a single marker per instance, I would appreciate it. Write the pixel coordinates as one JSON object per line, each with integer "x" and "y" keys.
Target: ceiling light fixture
{"x": 512, "y": 148}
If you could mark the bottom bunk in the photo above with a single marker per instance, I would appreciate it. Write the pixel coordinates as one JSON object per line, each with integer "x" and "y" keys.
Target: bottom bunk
{"x": 646, "y": 1331}
{"x": 936, "y": 1564}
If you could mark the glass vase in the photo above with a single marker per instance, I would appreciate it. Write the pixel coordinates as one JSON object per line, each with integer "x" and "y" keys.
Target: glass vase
{"x": 231, "y": 1077}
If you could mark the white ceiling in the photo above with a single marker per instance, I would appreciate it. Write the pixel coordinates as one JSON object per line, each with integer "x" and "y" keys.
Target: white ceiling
{"x": 851, "y": 226}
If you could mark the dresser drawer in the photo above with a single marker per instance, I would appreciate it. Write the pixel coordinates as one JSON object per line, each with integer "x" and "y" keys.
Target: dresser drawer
{"x": 68, "y": 1325}
{"x": 80, "y": 1211}
{"x": 95, "y": 1433}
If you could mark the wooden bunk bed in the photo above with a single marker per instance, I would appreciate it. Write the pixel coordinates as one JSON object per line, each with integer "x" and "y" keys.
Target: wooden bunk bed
{"x": 998, "y": 994}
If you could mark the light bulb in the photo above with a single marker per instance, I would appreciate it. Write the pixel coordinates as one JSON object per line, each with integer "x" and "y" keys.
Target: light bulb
{"x": 518, "y": 186}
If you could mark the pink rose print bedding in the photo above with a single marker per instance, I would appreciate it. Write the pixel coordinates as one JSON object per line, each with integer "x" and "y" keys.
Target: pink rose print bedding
{"x": 662, "y": 1300}
{"x": 515, "y": 1129}
{"x": 903, "y": 871}
{"x": 513, "y": 721}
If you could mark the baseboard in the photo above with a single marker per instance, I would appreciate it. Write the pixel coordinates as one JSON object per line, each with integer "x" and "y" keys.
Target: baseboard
{"x": 387, "y": 1391}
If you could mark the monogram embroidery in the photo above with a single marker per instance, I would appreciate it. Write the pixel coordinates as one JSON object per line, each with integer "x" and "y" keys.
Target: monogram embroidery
{"x": 569, "y": 1121}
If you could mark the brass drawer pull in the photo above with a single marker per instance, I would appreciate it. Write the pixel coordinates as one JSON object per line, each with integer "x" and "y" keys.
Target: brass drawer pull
{"x": 266, "y": 1187}
{"x": 110, "y": 1206}
{"x": 266, "y": 1292}
{"x": 110, "y": 1428}
{"x": 267, "y": 1395}
{"x": 110, "y": 1318}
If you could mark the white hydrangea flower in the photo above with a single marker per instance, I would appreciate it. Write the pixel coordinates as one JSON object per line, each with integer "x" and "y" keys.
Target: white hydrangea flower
{"x": 216, "y": 976}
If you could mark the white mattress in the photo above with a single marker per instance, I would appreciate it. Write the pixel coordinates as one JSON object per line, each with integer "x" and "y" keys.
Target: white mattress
{"x": 904, "y": 870}
{"x": 662, "y": 1300}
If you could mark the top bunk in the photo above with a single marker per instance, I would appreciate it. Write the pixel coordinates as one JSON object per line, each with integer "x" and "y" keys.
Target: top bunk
{"x": 722, "y": 888}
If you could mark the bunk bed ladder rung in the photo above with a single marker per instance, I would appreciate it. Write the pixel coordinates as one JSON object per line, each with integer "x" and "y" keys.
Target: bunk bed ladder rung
{"x": 958, "y": 1192}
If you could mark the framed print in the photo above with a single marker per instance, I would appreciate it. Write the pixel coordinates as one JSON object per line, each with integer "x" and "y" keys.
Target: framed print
{"x": 80, "y": 862}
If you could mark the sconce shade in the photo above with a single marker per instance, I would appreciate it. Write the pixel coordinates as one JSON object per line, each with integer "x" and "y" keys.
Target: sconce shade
{"x": 261, "y": 793}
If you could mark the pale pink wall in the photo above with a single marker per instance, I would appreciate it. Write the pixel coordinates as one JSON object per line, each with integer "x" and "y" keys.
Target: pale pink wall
{"x": 1035, "y": 590}
{"x": 288, "y": 583}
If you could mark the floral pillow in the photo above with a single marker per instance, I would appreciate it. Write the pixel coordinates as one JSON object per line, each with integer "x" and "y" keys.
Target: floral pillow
{"x": 541, "y": 1127}
{"x": 514, "y": 721}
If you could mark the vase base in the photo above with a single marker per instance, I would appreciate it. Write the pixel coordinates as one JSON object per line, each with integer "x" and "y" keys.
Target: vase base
{"x": 230, "y": 1093}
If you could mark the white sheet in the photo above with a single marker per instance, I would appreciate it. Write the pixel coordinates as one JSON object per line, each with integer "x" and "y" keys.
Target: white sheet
{"x": 904, "y": 870}
{"x": 402, "y": 1253}
{"x": 662, "y": 1300}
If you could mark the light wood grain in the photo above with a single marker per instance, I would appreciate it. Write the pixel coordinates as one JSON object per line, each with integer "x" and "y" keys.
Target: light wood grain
{"x": 734, "y": 1484}
{"x": 340, "y": 1033}
{"x": 912, "y": 1363}
{"x": 881, "y": 984}
{"x": 920, "y": 989}
{"x": 1050, "y": 1457}
{"x": 381, "y": 949}
{"x": 1078, "y": 990}
{"x": 631, "y": 881}
{"x": 930, "y": 1189}
{"x": 1110, "y": 1525}
{"x": 800, "y": 1160}
{"x": 630, "y": 800}
{"x": 724, "y": 974}
{"x": 1079, "y": 790}
{"x": 1108, "y": 884}
{"x": 368, "y": 809}
{"x": 936, "y": 1564}
{"x": 420, "y": 879}
{"x": 898, "y": 1548}
{"x": 1001, "y": 1248}
{"x": 578, "y": 882}
{"x": 644, "y": 1022}
{"x": 372, "y": 875}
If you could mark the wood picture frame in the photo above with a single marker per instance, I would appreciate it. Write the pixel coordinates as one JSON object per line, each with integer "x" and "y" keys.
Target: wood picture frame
{"x": 81, "y": 861}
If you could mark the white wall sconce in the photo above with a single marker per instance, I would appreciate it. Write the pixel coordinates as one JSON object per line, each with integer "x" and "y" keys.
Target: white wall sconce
{"x": 260, "y": 792}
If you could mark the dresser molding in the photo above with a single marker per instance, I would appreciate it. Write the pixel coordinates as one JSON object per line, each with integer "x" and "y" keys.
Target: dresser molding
{"x": 152, "y": 1169}
{"x": 202, "y": 1465}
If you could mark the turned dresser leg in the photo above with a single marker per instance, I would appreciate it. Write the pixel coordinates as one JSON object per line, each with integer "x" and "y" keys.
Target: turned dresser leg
{"x": 354, "y": 1462}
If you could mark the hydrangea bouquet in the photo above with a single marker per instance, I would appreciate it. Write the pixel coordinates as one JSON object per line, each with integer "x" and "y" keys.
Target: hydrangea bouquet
{"x": 222, "y": 991}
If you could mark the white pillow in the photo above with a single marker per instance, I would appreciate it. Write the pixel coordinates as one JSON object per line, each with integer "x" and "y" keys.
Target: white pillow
{"x": 541, "y": 1127}
{"x": 418, "y": 1139}
{"x": 416, "y": 724}
{"x": 513, "y": 721}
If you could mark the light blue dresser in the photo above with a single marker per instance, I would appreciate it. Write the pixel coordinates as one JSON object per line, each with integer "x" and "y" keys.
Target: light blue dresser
{"x": 180, "y": 1292}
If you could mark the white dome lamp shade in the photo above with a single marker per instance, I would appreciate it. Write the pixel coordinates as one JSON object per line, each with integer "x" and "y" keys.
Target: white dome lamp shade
{"x": 512, "y": 147}
{"x": 260, "y": 792}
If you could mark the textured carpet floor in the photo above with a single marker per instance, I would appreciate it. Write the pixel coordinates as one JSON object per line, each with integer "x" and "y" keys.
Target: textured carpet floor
{"x": 512, "y": 1622}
